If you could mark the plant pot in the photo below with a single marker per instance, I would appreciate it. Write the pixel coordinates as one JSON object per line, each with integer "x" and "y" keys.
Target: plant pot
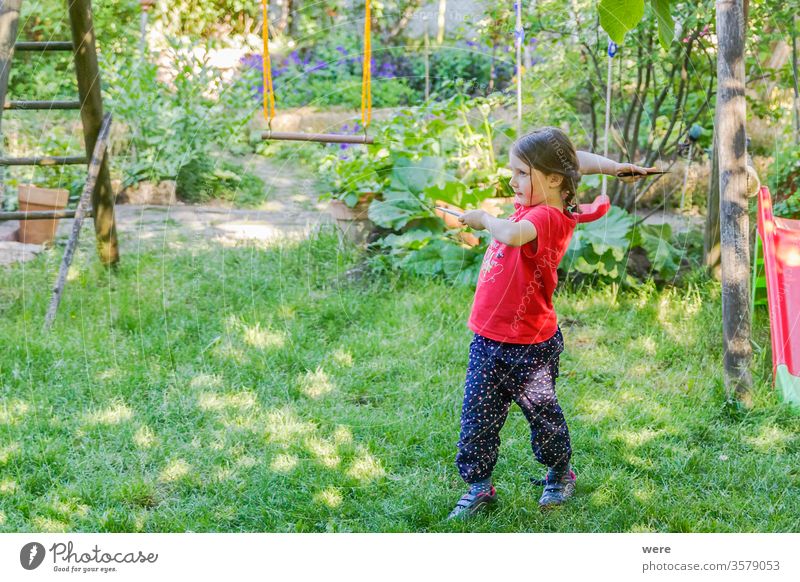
{"x": 494, "y": 206}
{"x": 452, "y": 222}
{"x": 354, "y": 222}
{"x": 31, "y": 199}
{"x": 491, "y": 205}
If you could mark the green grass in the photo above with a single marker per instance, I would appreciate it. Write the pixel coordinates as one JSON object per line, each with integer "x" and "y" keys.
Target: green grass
{"x": 238, "y": 389}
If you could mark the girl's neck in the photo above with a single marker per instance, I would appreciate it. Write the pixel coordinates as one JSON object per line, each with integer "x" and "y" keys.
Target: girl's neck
{"x": 554, "y": 200}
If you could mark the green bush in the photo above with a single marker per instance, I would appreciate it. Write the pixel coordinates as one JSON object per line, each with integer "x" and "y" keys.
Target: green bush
{"x": 172, "y": 125}
{"x": 204, "y": 179}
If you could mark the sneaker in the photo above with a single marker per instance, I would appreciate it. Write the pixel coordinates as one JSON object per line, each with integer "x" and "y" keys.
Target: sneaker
{"x": 471, "y": 503}
{"x": 557, "y": 488}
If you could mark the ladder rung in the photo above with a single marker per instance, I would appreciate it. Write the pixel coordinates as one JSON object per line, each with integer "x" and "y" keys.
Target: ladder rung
{"x": 42, "y": 105}
{"x": 45, "y": 161}
{"x": 43, "y": 46}
{"x": 40, "y": 215}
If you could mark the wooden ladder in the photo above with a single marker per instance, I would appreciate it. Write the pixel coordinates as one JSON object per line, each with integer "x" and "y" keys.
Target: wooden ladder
{"x": 90, "y": 104}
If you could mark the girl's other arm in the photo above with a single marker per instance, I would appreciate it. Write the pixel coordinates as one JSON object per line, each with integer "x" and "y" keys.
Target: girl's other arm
{"x": 596, "y": 164}
{"x": 514, "y": 234}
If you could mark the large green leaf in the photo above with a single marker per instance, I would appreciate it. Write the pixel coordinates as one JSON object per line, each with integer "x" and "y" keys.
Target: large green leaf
{"x": 397, "y": 210}
{"x": 412, "y": 239}
{"x": 417, "y": 175}
{"x": 654, "y": 239}
{"x": 666, "y": 25}
{"x": 427, "y": 261}
{"x": 619, "y": 16}
{"x": 461, "y": 265}
{"x": 452, "y": 192}
{"x": 609, "y": 233}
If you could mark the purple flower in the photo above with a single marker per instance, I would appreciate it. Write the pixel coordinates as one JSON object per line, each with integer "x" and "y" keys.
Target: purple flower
{"x": 387, "y": 70}
{"x": 317, "y": 67}
{"x": 471, "y": 43}
{"x": 251, "y": 61}
{"x": 342, "y": 50}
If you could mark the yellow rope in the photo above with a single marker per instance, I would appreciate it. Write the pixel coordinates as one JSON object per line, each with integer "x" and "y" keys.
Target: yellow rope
{"x": 366, "y": 82}
{"x": 269, "y": 92}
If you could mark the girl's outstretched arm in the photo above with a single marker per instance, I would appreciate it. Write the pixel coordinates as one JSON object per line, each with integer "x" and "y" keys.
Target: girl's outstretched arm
{"x": 514, "y": 234}
{"x": 596, "y": 164}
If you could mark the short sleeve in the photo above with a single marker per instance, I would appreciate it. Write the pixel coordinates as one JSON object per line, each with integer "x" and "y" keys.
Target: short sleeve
{"x": 544, "y": 222}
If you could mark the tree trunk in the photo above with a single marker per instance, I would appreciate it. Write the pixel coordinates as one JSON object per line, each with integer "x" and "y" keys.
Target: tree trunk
{"x": 711, "y": 248}
{"x": 9, "y": 22}
{"x": 734, "y": 223}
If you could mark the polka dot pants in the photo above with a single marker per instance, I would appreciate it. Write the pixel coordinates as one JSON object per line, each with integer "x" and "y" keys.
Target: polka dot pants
{"x": 497, "y": 375}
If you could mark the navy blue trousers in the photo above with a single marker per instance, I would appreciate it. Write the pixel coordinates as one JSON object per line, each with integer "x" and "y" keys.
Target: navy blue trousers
{"x": 501, "y": 373}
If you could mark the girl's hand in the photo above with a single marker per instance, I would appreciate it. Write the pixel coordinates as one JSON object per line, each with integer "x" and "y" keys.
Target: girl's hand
{"x": 473, "y": 219}
{"x": 639, "y": 172}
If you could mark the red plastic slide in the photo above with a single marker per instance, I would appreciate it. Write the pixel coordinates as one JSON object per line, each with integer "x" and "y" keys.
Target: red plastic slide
{"x": 781, "y": 238}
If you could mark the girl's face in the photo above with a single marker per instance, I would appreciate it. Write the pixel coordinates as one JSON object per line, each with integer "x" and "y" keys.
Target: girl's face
{"x": 531, "y": 186}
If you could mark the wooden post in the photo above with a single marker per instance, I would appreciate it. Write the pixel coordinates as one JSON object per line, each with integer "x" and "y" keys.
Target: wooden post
{"x": 711, "y": 246}
{"x": 796, "y": 108}
{"x": 9, "y": 22}
{"x": 427, "y": 64}
{"x": 83, "y": 39}
{"x": 734, "y": 222}
{"x": 441, "y": 22}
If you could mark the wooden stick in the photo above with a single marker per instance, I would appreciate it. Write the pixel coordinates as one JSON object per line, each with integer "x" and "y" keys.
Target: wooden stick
{"x": 44, "y": 161}
{"x": 39, "y": 215}
{"x": 88, "y": 189}
{"x": 45, "y": 105}
{"x": 317, "y": 137}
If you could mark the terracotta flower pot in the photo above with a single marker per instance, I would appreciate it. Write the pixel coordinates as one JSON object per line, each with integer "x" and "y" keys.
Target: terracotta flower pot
{"x": 491, "y": 205}
{"x": 354, "y": 222}
{"x": 32, "y": 198}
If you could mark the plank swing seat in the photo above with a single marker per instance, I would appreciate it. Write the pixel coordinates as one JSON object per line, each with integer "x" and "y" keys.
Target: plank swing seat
{"x": 366, "y": 92}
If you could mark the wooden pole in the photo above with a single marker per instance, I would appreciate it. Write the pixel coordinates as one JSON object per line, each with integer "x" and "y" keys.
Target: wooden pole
{"x": 83, "y": 39}
{"x": 519, "y": 35}
{"x": 9, "y": 22}
{"x": 796, "y": 108}
{"x": 441, "y": 21}
{"x": 91, "y": 182}
{"x": 427, "y": 64}
{"x": 734, "y": 223}
{"x": 711, "y": 245}
{"x": 316, "y": 137}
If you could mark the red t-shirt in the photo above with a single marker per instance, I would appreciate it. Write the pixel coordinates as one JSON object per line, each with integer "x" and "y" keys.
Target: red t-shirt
{"x": 514, "y": 297}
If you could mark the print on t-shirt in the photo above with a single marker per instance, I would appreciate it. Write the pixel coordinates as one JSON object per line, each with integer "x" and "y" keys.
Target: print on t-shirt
{"x": 491, "y": 264}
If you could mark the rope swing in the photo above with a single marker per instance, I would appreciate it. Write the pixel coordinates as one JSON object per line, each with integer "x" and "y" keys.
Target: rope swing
{"x": 366, "y": 90}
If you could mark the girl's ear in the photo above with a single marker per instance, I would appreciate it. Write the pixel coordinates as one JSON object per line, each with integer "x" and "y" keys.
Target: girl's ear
{"x": 555, "y": 180}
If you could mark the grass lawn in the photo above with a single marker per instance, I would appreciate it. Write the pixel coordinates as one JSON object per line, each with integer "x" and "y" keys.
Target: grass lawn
{"x": 237, "y": 389}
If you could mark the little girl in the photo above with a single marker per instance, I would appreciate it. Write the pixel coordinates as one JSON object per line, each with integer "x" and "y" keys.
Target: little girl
{"x": 514, "y": 354}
